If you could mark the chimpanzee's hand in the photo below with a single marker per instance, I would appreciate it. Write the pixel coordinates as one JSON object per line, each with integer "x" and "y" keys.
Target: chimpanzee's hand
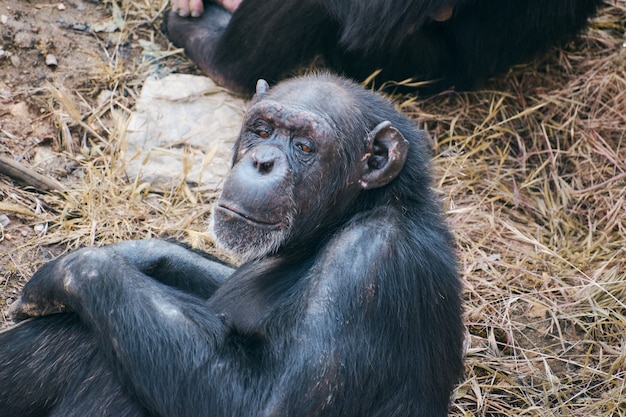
{"x": 195, "y": 8}
{"x": 55, "y": 287}
{"x": 184, "y": 8}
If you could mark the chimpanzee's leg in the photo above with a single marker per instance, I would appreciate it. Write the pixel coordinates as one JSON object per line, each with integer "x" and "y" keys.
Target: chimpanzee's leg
{"x": 199, "y": 36}
{"x": 261, "y": 40}
{"x": 50, "y": 366}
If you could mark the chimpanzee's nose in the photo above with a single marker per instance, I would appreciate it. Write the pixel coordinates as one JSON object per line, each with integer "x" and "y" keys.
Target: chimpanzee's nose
{"x": 264, "y": 158}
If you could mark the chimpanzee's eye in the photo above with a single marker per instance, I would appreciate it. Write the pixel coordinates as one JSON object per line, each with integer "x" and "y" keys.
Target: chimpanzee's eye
{"x": 261, "y": 129}
{"x": 304, "y": 148}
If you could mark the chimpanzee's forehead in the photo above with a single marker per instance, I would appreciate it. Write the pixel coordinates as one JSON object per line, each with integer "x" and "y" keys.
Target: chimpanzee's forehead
{"x": 293, "y": 117}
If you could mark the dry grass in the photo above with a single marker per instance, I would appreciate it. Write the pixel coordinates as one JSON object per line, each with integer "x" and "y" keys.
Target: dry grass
{"x": 532, "y": 172}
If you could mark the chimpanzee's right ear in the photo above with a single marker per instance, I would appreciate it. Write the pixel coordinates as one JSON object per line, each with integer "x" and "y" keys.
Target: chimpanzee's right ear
{"x": 262, "y": 87}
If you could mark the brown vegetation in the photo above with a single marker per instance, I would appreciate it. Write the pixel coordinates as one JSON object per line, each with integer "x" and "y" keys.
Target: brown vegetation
{"x": 532, "y": 172}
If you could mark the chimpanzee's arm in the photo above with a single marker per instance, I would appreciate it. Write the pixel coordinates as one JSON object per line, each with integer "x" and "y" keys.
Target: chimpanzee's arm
{"x": 167, "y": 263}
{"x": 365, "y": 327}
{"x": 156, "y": 337}
{"x": 174, "y": 265}
{"x": 166, "y": 346}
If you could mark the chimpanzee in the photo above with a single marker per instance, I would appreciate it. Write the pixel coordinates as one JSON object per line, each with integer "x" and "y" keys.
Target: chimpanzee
{"x": 347, "y": 303}
{"x": 456, "y": 43}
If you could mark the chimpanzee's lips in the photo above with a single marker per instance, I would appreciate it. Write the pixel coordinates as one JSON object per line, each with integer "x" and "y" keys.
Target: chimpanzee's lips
{"x": 235, "y": 212}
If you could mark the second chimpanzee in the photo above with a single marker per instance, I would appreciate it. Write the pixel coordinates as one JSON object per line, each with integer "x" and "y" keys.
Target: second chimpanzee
{"x": 347, "y": 304}
{"x": 448, "y": 42}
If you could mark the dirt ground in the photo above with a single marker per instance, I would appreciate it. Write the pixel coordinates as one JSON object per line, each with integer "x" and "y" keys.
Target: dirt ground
{"x": 30, "y": 31}
{"x": 531, "y": 171}
{"x": 81, "y": 51}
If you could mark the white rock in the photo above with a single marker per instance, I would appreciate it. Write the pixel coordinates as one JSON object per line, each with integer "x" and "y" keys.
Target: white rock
{"x": 4, "y": 220}
{"x": 51, "y": 60}
{"x": 182, "y": 121}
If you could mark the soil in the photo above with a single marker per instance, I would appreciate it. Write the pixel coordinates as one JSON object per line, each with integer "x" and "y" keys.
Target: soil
{"x": 44, "y": 45}
{"x": 30, "y": 32}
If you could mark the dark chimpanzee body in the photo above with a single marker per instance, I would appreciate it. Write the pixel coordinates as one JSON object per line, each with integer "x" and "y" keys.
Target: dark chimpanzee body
{"x": 455, "y": 42}
{"x": 348, "y": 303}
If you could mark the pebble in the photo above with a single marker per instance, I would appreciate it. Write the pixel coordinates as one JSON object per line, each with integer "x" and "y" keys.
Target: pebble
{"x": 19, "y": 110}
{"x": 61, "y": 6}
{"x": 51, "y": 60}
{"x": 105, "y": 97}
{"x": 41, "y": 228}
{"x": 4, "y": 220}
{"x": 4, "y": 19}
{"x": 5, "y": 96}
{"x": 24, "y": 40}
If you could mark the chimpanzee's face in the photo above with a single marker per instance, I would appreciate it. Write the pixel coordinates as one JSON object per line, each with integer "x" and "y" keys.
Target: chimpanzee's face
{"x": 288, "y": 164}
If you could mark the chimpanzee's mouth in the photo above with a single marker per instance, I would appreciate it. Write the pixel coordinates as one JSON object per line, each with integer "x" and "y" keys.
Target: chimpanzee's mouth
{"x": 237, "y": 213}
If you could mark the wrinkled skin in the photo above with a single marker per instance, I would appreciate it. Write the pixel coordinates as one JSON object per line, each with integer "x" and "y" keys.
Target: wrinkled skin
{"x": 347, "y": 304}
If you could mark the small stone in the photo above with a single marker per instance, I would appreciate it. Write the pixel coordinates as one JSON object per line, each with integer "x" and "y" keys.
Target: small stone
{"x": 19, "y": 110}
{"x": 5, "y": 94}
{"x": 61, "y": 6}
{"x": 51, "y": 60}
{"x": 105, "y": 97}
{"x": 24, "y": 40}
{"x": 41, "y": 228}
{"x": 4, "y": 220}
{"x": 4, "y": 19}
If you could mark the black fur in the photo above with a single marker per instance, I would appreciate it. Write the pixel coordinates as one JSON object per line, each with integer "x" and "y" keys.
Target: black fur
{"x": 355, "y": 312}
{"x": 403, "y": 38}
